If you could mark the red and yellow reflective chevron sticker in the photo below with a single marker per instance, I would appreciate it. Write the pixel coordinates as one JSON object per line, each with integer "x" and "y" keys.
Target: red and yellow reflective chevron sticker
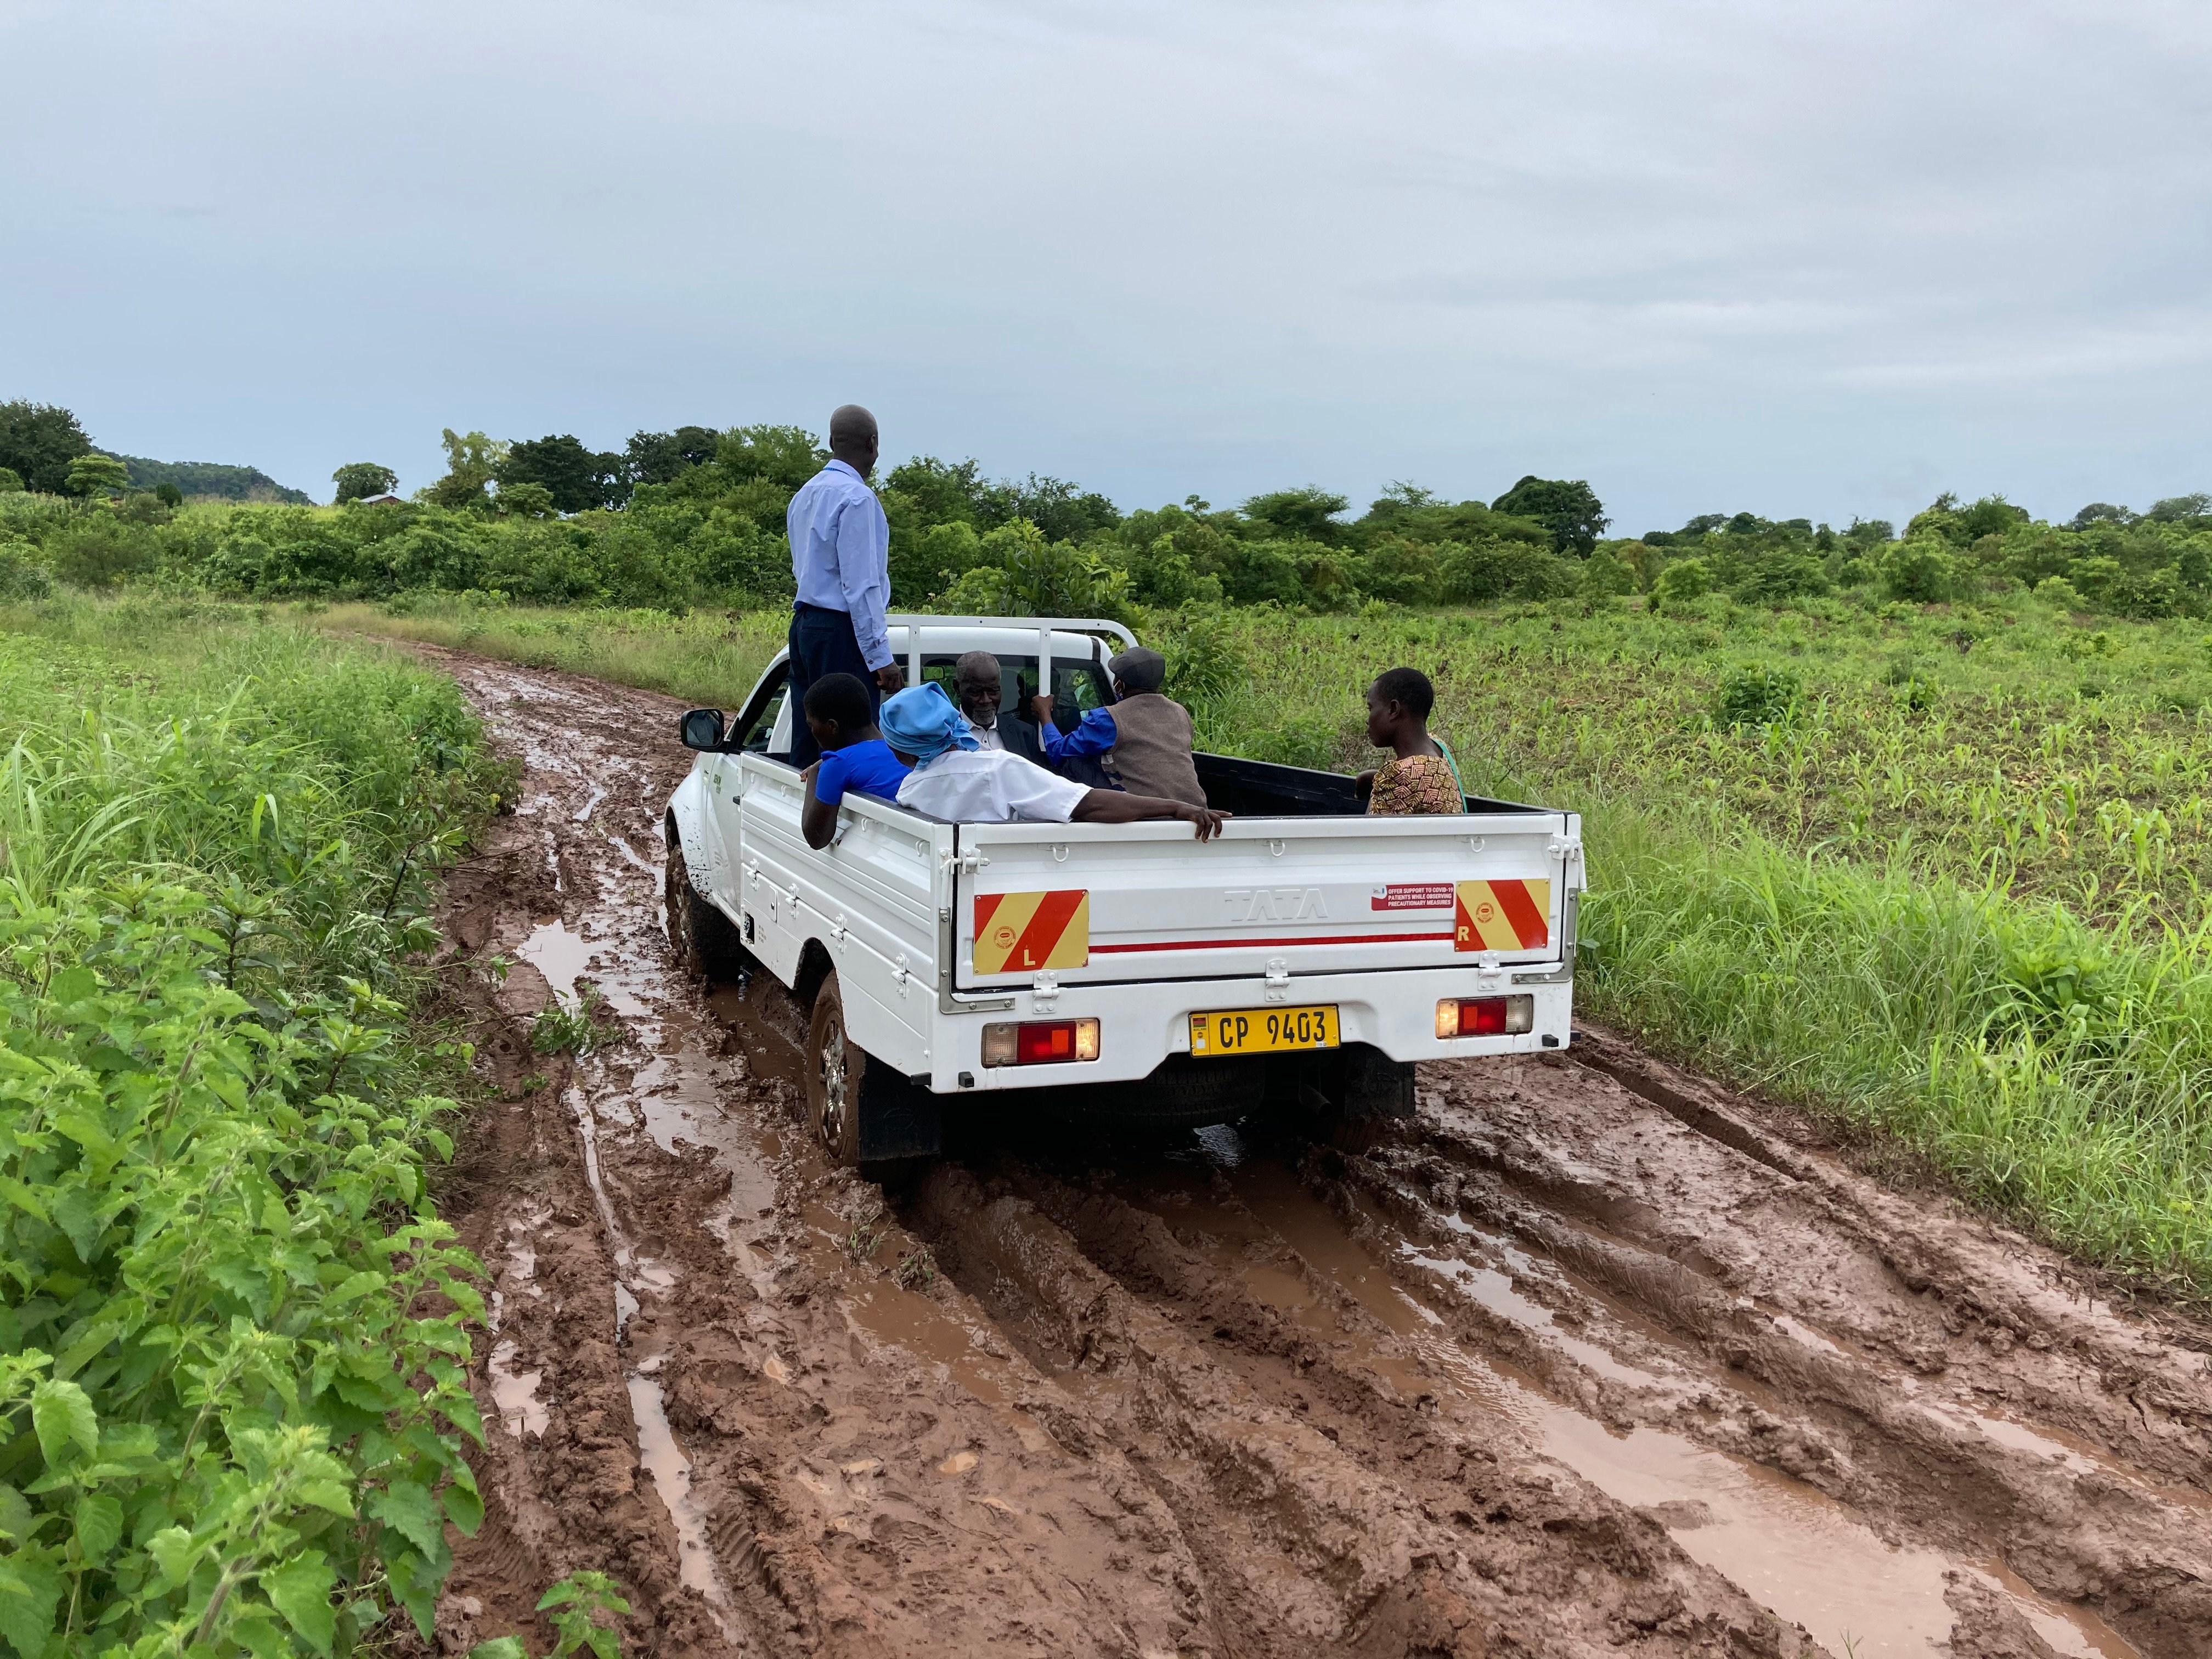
{"x": 1016, "y": 932}
{"x": 1502, "y": 916}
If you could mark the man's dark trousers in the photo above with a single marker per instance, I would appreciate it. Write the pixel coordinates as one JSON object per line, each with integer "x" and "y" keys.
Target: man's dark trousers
{"x": 822, "y": 643}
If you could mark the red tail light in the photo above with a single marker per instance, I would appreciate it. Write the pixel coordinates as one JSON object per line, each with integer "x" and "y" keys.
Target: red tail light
{"x": 1458, "y": 1016}
{"x": 1040, "y": 1043}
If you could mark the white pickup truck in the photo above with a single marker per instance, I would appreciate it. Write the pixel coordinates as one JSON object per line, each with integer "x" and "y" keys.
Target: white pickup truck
{"x": 1300, "y": 962}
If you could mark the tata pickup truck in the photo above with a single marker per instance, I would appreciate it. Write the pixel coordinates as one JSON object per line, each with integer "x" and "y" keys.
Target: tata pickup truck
{"x": 1301, "y": 963}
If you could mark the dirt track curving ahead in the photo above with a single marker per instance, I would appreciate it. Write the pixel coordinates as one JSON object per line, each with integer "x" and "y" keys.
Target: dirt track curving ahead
{"x": 1592, "y": 1357}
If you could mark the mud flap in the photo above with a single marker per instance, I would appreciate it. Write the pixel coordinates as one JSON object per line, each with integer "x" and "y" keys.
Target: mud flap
{"x": 899, "y": 1118}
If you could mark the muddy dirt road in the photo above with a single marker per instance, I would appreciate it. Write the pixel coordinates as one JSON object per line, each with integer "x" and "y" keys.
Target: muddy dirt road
{"x": 1590, "y": 1359}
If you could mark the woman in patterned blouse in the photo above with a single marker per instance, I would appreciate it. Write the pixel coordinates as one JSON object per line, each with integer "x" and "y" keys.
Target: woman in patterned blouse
{"x": 1420, "y": 776}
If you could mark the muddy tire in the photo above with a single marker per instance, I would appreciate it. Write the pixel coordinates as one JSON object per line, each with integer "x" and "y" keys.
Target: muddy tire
{"x": 1371, "y": 1096}
{"x": 705, "y": 941}
{"x": 836, "y": 1072}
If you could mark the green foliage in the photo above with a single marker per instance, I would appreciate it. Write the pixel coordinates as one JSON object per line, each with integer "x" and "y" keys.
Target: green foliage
{"x": 232, "y": 1420}
{"x": 357, "y": 481}
{"x": 96, "y": 474}
{"x": 208, "y": 481}
{"x": 11, "y": 482}
{"x": 583, "y": 1606}
{"x": 1756, "y": 696}
{"x": 525, "y": 500}
{"x": 37, "y": 441}
{"x": 99, "y": 550}
{"x": 1492, "y": 567}
{"x": 658, "y": 458}
{"x": 2059, "y": 593}
{"x": 1607, "y": 575}
{"x": 560, "y": 1030}
{"x": 1920, "y": 570}
{"x": 1204, "y": 662}
{"x": 472, "y": 461}
{"x": 575, "y": 479}
{"x": 1570, "y": 510}
{"x": 1681, "y": 582}
{"x": 1025, "y": 576}
{"x": 696, "y": 517}
{"x": 1307, "y": 514}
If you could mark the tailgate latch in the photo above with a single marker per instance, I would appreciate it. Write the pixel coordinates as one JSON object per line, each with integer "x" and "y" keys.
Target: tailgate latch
{"x": 1278, "y": 978}
{"x": 964, "y": 864}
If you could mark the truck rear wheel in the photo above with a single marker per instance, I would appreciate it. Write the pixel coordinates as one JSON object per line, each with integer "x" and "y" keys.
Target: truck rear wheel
{"x": 705, "y": 941}
{"x": 836, "y": 1071}
{"x": 1368, "y": 1094}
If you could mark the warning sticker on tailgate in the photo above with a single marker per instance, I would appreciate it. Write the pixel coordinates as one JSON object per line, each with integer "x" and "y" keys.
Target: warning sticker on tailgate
{"x": 1502, "y": 916}
{"x": 1020, "y": 932}
{"x": 1411, "y": 896}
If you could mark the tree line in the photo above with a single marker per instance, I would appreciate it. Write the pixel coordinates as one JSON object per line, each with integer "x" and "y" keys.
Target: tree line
{"x": 44, "y": 448}
{"x": 695, "y": 516}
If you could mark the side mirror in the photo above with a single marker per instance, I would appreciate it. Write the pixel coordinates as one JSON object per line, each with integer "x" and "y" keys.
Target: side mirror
{"x": 701, "y": 728}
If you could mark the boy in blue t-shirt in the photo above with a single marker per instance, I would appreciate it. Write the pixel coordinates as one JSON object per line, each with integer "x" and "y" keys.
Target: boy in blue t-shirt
{"x": 854, "y": 754}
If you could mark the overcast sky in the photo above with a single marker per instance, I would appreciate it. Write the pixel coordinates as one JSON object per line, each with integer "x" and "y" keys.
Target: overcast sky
{"x": 1800, "y": 258}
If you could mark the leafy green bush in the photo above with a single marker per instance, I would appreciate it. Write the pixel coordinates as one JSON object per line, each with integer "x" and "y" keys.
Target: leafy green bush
{"x": 2059, "y": 593}
{"x": 1920, "y": 571}
{"x": 1680, "y": 582}
{"x": 1490, "y": 568}
{"x": 1204, "y": 662}
{"x": 1756, "y": 696}
{"x": 233, "y": 1347}
{"x": 99, "y": 550}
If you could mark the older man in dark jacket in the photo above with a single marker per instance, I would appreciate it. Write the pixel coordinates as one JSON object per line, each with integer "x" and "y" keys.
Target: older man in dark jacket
{"x": 979, "y": 683}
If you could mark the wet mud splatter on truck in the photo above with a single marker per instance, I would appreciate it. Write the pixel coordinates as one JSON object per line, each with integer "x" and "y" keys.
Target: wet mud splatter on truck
{"x": 1589, "y": 1357}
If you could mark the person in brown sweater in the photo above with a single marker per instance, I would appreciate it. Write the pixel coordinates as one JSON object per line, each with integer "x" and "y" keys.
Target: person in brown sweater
{"x": 1143, "y": 741}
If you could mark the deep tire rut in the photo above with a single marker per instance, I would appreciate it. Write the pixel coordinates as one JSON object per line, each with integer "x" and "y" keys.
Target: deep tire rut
{"x": 1591, "y": 1357}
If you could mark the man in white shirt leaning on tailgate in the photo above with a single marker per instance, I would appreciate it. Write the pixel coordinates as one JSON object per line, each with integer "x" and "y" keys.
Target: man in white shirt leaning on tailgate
{"x": 957, "y": 779}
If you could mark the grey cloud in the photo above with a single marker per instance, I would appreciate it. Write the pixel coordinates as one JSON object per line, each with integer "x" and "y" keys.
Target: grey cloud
{"x": 1708, "y": 255}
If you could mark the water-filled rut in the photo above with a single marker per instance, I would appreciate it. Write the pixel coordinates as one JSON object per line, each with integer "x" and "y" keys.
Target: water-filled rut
{"x": 1591, "y": 1357}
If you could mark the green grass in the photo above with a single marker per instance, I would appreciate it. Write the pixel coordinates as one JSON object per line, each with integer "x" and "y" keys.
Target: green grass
{"x": 1932, "y": 872}
{"x": 711, "y": 658}
{"x": 232, "y": 1331}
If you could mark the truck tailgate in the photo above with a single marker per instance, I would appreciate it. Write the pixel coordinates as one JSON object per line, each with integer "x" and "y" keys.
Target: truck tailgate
{"x": 1099, "y": 903}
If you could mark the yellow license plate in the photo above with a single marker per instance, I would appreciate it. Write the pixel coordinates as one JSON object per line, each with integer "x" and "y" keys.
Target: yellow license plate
{"x": 1262, "y": 1030}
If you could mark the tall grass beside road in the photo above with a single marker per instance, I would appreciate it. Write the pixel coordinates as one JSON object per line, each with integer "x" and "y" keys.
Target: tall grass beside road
{"x": 2060, "y": 1076}
{"x": 232, "y": 1338}
{"x": 709, "y": 657}
{"x": 1932, "y": 871}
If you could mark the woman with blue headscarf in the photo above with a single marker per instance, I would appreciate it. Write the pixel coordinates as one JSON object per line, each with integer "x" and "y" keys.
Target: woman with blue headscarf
{"x": 957, "y": 779}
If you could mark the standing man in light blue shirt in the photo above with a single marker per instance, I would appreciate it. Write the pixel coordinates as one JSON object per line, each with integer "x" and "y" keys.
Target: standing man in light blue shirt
{"x": 840, "y": 548}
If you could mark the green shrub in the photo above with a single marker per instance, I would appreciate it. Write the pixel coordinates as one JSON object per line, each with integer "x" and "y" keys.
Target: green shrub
{"x": 1604, "y": 576}
{"x": 1493, "y": 568}
{"x": 2060, "y": 594}
{"x": 1204, "y": 662}
{"x": 22, "y": 574}
{"x": 1922, "y": 571}
{"x": 1756, "y": 696}
{"x": 1681, "y": 581}
{"x": 99, "y": 550}
{"x": 244, "y": 1416}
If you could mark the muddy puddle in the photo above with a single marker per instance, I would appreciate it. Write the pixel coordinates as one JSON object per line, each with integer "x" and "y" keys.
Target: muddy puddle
{"x": 1491, "y": 1386}
{"x": 1788, "y": 1545}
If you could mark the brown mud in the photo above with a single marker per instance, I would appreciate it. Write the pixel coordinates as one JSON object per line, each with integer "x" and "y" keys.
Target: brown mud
{"x": 1592, "y": 1357}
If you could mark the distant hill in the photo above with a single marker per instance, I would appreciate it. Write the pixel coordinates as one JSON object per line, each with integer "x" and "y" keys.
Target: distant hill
{"x": 211, "y": 479}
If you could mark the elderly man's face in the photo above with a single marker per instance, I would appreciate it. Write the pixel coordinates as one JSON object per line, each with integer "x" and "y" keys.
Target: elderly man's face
{"x": 979, "y": 699}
